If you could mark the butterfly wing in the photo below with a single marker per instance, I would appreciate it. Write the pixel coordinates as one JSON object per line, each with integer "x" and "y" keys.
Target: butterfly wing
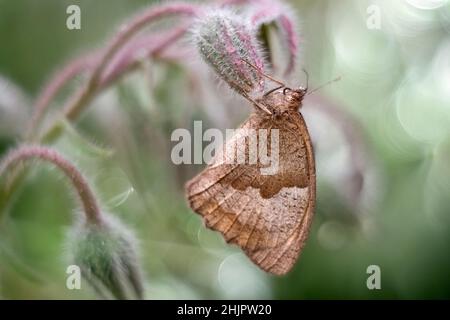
{"x": 268, "y": 216}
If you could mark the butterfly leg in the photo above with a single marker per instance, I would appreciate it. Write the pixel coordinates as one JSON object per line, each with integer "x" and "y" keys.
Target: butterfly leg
{"x": 281, "y": 83}
{"x": 272, "y": 90}
{"x": 257, "y": 104}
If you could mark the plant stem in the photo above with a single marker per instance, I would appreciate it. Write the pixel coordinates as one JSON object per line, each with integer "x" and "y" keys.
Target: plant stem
{"x": 83, "y": 97}
{"x": 131, "y": 55}
{"x": 87, "y": 197}
{"x": 52, "y": 88}
{"x": 353, "y": 134}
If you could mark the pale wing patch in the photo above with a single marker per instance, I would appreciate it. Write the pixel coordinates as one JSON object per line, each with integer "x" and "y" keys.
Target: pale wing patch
{"x": 267, "y": 216}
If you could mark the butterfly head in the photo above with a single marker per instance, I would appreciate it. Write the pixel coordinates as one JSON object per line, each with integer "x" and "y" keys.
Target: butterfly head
{"x": 294, "y": 97}
{"x": 283, "y": 100}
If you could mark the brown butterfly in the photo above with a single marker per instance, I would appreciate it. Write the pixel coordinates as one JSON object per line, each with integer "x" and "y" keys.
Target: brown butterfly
{"x": 268, "y": 216}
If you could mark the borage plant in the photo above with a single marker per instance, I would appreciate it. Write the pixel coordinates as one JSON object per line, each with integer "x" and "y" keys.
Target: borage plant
{"x": 240, "y": 40}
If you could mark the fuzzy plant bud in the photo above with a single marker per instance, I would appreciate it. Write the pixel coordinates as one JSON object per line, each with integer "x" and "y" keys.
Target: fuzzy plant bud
{"x": 107, "y": 256}
{"x": 228, "y": 44}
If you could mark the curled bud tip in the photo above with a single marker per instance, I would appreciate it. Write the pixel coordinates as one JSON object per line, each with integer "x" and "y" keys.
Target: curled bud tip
{"x": 269, "y": 13}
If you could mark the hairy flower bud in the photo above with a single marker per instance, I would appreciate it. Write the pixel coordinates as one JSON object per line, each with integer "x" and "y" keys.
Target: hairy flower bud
{"x": 228, "y": 44}
{"x": 107, "y": 256}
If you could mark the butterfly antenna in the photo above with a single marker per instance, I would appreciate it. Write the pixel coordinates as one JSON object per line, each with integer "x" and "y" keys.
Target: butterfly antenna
{"x": 307, "y": 79}
{"x": 325, "y": 84}
{"x": 263, "y": 74}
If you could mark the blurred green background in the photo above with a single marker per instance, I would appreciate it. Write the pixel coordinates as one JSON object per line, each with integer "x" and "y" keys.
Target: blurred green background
{"x": 395, "y": 87}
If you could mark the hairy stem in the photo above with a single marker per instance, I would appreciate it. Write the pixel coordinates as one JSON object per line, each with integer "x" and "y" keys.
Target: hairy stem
{"x": 353, "y": 134}
{"x": 56, "y": 83}
{"x": 130, "y": 57}
{"x": 87, "y": 197}
{"x": 126, "y": 63}
{"x": 83, "y": 97}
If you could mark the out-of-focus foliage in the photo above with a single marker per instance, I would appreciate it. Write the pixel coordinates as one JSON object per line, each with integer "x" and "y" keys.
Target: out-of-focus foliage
{"x": 395, "y": 87}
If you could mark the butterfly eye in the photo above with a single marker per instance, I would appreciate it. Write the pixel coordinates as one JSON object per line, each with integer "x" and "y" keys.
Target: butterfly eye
{"x": 286, "y": 89}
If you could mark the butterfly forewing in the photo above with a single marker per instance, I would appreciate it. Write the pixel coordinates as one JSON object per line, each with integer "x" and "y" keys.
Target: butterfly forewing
{"x": 268, "y": 216}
